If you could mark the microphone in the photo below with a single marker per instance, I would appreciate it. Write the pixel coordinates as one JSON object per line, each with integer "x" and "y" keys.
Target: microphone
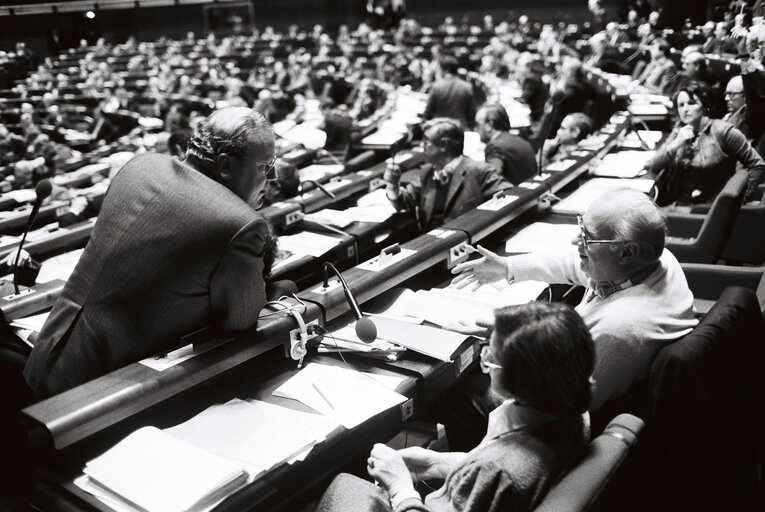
{"x": 328, "y": 154}
{"x": 42, "y": 190}
{"x": 366, "y": 329}
{"x": 320, "y": 187}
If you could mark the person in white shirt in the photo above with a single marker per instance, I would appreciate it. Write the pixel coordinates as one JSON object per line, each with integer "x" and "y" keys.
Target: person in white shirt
{"x": 636, "y": 301}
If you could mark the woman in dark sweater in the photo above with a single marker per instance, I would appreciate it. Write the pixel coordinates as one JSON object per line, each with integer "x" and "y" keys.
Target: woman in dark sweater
{"x": 540, "y": 358}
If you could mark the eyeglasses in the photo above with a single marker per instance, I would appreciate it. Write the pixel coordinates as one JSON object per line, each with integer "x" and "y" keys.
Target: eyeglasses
{"x": 585, "y": 238}
{"x": 730, "y": 94}
{"x": 269, "y": 167}
{"x": 488, "y": 364}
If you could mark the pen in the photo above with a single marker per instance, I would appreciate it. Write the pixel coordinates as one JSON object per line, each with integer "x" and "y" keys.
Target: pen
{"x": 322, "y": 395}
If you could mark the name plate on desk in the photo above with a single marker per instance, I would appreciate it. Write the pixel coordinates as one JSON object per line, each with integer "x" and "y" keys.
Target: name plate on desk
{"x": 497, "y": 203}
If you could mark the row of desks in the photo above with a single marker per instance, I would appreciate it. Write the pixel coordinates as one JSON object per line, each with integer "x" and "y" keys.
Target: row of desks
{"x": 80, "y": 423}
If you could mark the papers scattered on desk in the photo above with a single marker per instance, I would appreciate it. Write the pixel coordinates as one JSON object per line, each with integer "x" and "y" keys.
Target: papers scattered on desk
{"x": 303, "y": 133}
{"x": 317, "y": 172}
{"x": 156, "y": 471}
{"x": 24, "y": 195}
{"x": 430, "y": 341}
{"x": 330, "y": 217}
{"x": 383, "y": 138}
{"x": 581, "y": 198}
{"x": 648, "y": 109}
{"x": 59, "y": 267}
{"x": 308, "y": 244}
{"x": 196, "y": 464}
{"x": 442, "y": 306}
{"x": 347, "y": 396}
{"x": 542, "y": 237}
{"x": 32, "y": 323}
{"x": 256, "y": 434}
{"x": 376, "y": 197}
{"x": 650, "y": 137}
{"x": 623, "y": 164}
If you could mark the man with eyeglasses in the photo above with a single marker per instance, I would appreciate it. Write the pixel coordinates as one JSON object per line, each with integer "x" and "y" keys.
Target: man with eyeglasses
{"x": 636, "y": 301}
{"x": 450, "y": 185}
{"x": 178, "y": 246}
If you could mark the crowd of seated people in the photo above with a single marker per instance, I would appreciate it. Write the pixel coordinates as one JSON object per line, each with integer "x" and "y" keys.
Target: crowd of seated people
{"x": 179, "y": 82}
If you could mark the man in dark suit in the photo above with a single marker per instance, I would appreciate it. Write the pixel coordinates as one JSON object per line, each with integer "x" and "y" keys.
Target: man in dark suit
{"x": 512, "y": 156}
{"x": 178, "y": 246}
{"x": 452, "y": 183}
{"x": 451, "y": 96}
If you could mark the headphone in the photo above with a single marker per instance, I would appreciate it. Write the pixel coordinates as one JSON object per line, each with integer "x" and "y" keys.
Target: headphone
{"x": 297, "y": 350}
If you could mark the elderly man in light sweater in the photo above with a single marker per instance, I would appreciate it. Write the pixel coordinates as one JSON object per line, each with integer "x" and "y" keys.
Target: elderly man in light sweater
{"x": 636, "y": 301}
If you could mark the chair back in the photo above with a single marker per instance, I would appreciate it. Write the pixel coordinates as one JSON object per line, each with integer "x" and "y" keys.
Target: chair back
{"x": 746, "y": 243}
{"x": 716, "y": 227}
{"x": 705, "y": 433}
{"x": 580, "y": 488}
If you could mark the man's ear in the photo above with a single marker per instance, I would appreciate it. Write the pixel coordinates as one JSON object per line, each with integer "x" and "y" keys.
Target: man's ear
{"x": 223, "y": 163}
{"x": 629, "y": 252}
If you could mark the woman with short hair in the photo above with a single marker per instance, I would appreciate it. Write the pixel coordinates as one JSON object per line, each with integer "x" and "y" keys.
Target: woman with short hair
{"x": 700, "y": 154}
{"x": 540, "y": 359}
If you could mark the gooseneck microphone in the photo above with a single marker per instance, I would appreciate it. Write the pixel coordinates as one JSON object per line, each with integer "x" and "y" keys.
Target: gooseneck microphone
{"x": 366, "y": 329}
{"x": 319, "y": 186}
{"x": 42, "y": 190}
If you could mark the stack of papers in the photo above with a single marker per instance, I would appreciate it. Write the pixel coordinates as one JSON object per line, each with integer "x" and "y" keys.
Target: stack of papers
{"x": 195, "y": 465}
{"x": 443, "y": 306}
{"x": 345, "y": 395}
{"x": 316, "y": 172}
{"x": 154, "y": 471}
{"x": 623, "y": 164}
{"x": 308, "y": 244}
{"x": 650, "y": 137}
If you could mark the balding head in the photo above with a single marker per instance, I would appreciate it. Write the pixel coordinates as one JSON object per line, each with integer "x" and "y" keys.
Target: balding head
{"x": 630, "y": 215}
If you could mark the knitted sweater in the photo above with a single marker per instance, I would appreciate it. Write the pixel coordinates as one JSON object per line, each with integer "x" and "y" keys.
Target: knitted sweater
{"x": 629, "y": 326}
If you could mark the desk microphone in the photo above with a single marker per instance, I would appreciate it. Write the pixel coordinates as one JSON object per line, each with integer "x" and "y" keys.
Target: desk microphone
{"x": 319, "y": 186}
{"x": 42, "y": 190}
{"x": 331, "y": 156}
{"x": 366, "y": 329}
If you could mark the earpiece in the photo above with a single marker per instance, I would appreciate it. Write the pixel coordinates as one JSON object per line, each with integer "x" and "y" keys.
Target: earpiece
{"x": 299, "y": 337}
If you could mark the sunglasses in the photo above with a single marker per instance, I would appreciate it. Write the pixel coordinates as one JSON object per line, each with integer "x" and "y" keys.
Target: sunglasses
{"x": 585, "y": 238}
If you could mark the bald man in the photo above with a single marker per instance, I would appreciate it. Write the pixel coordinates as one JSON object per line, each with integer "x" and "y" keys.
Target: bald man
{"x": 178, "y": 246}
{"x": 636, "y": 301}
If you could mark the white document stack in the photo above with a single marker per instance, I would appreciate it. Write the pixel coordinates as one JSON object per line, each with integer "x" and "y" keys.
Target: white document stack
{"x": 195, "y": 465}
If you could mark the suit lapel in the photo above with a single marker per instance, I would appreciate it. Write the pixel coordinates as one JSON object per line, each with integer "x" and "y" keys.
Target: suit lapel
{"x": 428, "y": 200}
{"x": 455, "y": 184}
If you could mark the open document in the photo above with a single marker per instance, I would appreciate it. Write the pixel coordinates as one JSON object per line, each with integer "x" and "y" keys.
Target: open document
{"x": 195, "y": 465}
{"x": 442, "y": 306}
{"x": 345, "y": 395}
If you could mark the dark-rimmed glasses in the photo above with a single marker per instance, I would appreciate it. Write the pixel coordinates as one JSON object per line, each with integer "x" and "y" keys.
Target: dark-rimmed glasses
{"x": 585, "y": 238}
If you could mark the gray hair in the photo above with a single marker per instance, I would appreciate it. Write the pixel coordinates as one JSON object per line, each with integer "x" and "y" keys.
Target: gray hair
{"x": 229, "y": 130}
{"x": 640, "y": 221}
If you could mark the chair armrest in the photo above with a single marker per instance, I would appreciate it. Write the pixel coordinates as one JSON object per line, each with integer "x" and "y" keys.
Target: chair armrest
{"x": 685, "y": 225}
{"x": 708, "y": 281}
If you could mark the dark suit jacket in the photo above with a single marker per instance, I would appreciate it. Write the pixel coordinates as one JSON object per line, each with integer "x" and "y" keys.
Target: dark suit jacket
{"x": 451, "y": 97}
{"x": 512, "y": 156}
{"x": 471, "y": 184}
{"x": 172, "y": 252}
